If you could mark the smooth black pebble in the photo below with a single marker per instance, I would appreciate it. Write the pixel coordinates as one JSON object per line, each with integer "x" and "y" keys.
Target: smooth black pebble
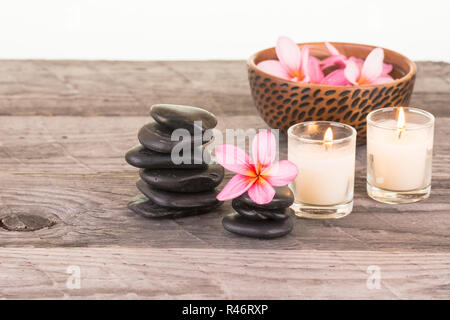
{"x": 258, "y": 213}
{"x": 186, "y": 117}
{"x": 141, "y": 157}
{"x": 263, "y": 229}
{"x": 176, "y": 199}
{"x": 145, "y": 207}
{"x": 283, "y": 198}
{"x": 157, "y": 137}
{"x": 184, "y": 180}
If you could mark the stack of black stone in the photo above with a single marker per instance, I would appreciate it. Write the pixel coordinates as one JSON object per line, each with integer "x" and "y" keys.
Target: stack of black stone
{"x": 172, "y": 190}
{"x": 271, "y": 220}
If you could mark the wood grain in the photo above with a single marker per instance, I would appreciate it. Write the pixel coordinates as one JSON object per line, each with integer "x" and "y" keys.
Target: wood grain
{"x": 64, "y": 129}
{"x": 101, "y": 88}
{"x": 90, "y": 88}
{"x": 112, "y": 273}
{"x": 71, "y": 170}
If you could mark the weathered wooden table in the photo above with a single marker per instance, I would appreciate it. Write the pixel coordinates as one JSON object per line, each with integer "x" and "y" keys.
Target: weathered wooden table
{"x": 64, "y": 130}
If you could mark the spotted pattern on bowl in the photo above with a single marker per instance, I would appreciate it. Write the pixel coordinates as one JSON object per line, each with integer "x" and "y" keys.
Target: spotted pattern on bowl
{"x": 283, "y": 103}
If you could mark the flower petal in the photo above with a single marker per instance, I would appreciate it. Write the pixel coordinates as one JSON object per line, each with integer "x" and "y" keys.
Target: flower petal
{"x": 314, "y": 72}
{"x": 359, "y": 62}
{"x": 235, "y": 160}
{"x": 373, "y": 66}
{"x": 288, "y": 53}
{"x": 305, "y": 62}
{"x": 333, "y": 61}
{"x": 332, "y": 49}
{"x": 387, "y": 68}
{"x": 351, "y": 72}
{"x": 383, "y": 79}
{"x": 235, "y": 187}
{"x": 261, "y": 192}
{"x": 280, "y": 173}
{"x": 336, "y": 78}
{"x": 264, "y": 149}
{"x": 275, "y": 68}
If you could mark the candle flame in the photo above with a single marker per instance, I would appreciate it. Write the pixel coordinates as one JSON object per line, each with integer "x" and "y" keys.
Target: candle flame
{"x": 401, "y": 122}
{"x": 328, "y": 137}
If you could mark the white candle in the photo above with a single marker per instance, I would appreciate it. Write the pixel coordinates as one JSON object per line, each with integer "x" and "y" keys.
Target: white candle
{"x": 326, "y": 176}
{"x": 399, "y": 161}
{"x": 399, "y": 154}
{"x": 324, "y": 153}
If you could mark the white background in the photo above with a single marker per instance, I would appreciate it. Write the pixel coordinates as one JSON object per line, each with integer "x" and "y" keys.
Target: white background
{"x": 209, "y": 29}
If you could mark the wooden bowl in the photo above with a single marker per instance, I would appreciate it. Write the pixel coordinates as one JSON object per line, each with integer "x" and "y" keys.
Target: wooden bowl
{"x": 283, "y": 103}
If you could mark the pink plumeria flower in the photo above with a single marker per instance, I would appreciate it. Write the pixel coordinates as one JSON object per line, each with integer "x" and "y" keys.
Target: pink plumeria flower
{"x": 336, "y": 58}
{"x": 371, "y": 71}
{"x": 387, "y": 68}
{"x": 314, "y": 71}
{"x": 316, "y": 75}
{"x": 339, "y": 60}
{"x": 257, "y": 176}
{"x": 337, "y": 77}
{"x": 334, "y": 78}
{"x": 292, "y": 63}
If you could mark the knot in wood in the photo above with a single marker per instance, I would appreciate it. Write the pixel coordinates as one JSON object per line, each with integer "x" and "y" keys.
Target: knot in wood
{"x": 25, "y": 222}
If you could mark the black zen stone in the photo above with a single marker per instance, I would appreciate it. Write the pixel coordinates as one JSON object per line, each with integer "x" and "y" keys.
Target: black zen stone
{"x": 157, "y": 137}
{"x": 263, "y": 229}
{"x": 142, "y": 157}
{"x": 177, "y": 199}
{"x": 258, "y": 213}
{"x": 176, "y": 116}
{"x": 145, "y": 207}
{"x": 184, "y": 180}
{"x": 283, "y": 198}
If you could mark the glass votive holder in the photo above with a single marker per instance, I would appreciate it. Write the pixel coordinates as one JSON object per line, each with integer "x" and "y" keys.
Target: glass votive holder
{"x": 399, "y": 154}
{"x": 324, "y": 153}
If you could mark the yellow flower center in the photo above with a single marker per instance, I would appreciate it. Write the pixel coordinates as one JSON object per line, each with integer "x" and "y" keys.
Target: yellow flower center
{"x": 362, "y": 80}
{"x": 297, "y": 75}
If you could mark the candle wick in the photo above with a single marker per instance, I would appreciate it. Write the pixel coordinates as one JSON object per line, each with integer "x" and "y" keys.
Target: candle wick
{"x": 400, "y": 131}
